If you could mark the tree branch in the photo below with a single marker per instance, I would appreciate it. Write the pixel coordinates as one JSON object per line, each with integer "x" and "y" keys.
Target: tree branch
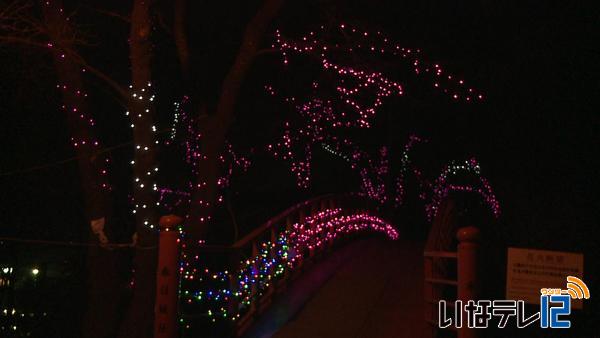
{"x": 180, "y": 35}
{"x": 123, "y": 93}
{"x": 20, "y": 28}
{"x": 121, "y": 17}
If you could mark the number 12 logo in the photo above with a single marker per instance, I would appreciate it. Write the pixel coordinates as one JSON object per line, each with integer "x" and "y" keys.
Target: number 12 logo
{"x": 549, "y": 315}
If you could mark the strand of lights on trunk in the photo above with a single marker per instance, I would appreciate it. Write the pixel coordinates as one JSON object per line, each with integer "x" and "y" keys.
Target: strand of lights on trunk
{"x": 83, "y": 117}
{"x": 101, "y": 165}
{"x": 179, "y": 106}
{"x": 211, "y": 291}
{"x": 143, "y": 96}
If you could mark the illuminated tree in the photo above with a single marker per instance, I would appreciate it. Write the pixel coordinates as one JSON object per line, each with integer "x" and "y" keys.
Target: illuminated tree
{"x": 55, "y": 34}
{"x": 347, "y": 90}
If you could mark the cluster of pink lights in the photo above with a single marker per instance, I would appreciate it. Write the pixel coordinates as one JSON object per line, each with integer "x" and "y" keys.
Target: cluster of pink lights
{"x": 326, "y": 225}
{"x": 343, "y": 39}
{"x": 185, "y": 132}
{"x": 294, "y": 149}
{"x": 372, "y": 174}
{"x": 358, "y": 95}
{"x": 380, "y": 85}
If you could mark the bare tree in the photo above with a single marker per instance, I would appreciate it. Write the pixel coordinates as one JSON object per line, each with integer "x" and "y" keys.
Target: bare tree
{"x": 55, "y": 34}
{"x": 56, "y": 31}
{"x": 216, "y": 126}
{"x": 140, "y": 315}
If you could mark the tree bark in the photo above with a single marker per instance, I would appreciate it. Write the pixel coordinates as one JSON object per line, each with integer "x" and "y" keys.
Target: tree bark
{"x": 100, "y": 320}
{"x": 217, "y": 125}
{"x": 138, "y": 322}
{"x": 181, "y": 40}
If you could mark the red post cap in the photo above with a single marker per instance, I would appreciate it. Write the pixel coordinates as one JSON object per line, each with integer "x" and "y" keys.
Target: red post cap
{"x": 169, "y": 221}
{"x": 468, "y": 234}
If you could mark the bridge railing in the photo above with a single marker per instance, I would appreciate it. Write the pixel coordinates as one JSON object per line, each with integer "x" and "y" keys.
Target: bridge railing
{"x": 259, "y": 265}
{"x": 451, "y": 273}
{"x": 270, "y": 232}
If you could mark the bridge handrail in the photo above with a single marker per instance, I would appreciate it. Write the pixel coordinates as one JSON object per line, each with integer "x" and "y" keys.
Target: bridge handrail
{"x": 281, "y": 216}
{"x": 256, "y": 233}
{"x": 325, "y": 208}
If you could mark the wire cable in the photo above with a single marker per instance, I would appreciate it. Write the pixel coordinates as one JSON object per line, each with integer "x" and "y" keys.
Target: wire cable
{"x": 76, "y": 244}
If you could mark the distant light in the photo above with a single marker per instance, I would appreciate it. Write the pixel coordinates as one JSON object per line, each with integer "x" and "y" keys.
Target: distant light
{"x": 35, "y": 271}
{"x": 5, "y": 270}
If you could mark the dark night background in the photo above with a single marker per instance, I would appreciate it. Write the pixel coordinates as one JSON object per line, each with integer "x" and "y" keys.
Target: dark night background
{"x": 535, "y": 135}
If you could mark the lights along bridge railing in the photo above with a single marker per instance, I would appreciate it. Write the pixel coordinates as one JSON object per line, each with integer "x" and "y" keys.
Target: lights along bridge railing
{"x": 224, "y": 288}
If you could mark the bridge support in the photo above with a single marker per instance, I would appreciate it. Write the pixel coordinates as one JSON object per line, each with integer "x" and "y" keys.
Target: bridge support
{"x": 165, "y": 309}
{"x": 468, "y": 273}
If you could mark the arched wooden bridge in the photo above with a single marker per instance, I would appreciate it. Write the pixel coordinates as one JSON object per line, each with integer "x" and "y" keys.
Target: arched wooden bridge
{"x": 305, "y": 273}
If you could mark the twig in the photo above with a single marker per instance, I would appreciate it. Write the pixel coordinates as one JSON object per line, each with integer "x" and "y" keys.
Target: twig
{"x": 111, "y": 14}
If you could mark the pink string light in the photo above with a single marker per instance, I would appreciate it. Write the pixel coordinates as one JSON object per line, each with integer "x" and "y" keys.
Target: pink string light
{"x": 211, "y": 290}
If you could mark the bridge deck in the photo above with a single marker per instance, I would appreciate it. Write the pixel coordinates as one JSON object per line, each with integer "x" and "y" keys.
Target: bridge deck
{"x": 370, "y": 288}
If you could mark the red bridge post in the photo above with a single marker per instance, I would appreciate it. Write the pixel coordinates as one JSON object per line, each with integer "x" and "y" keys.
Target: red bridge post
{"x": 468, "y": 273}
{"x": 165, "y": 310}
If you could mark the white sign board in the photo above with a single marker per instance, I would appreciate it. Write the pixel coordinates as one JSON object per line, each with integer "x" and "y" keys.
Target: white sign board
{"x": 528, "y": 271}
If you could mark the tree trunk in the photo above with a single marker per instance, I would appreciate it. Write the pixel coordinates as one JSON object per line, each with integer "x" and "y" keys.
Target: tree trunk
{"x": 138, "y": 322}
{"x": 181, "y": 40}
{"x": 217, "y": 126}
{"x": 100, "y": 319}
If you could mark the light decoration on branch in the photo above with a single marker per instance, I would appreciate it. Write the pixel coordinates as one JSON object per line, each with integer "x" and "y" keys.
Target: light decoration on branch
{"x": 228, "y": 294}
{"x": 381, "y": 86}
{"x": 179, "y": 106}
{"x": 186, "y": 133}
{"x": 442, "y": 187}
{"x": 373, "y": 176}
{"x": 145, "y": 183}
{"x": 372, "y": 172}
{"x": 357, "y": 93}
{"x": 294, "y": 149}
{"x": 406, "y": 165}
{"x": 172, "y": 198}
{"x": 231, "y": 160}
{"x": 326, "y": 43}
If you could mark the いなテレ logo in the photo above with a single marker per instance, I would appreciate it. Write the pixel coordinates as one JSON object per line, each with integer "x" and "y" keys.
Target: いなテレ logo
{"x": 555, "y": 306}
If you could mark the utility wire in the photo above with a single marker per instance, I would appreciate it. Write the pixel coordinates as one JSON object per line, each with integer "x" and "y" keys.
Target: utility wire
{"x": 70, "y": 159}
{"x": 76, "y": 244}
{"x": 67, "y": 160}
